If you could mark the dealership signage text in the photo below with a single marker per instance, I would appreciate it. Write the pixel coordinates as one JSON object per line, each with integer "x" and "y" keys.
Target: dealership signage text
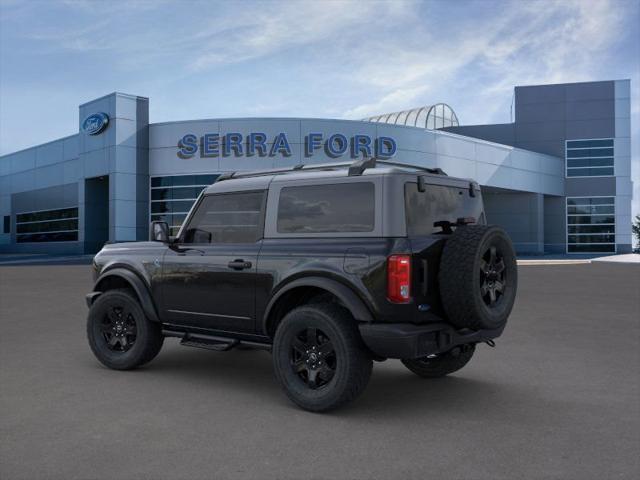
{"x": 259, "y": 144}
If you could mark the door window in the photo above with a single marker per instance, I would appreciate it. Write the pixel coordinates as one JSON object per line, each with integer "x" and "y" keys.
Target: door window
{"x": 227, "y": 218}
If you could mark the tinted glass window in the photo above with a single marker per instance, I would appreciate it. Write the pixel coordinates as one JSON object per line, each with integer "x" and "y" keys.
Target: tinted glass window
{"x": 437, "y": 203}
{"x": 47, "y": 226}
{"x": 227, "y": 218}
{"x": 7, "y": 224}
{"x": 171, "y": 207}
{"x": 590, "y": 201}
{"x": 591, "y": 224}
{"x": 346, "y": 207}
{"x": 589, "y": 143}
{"x": 590, "y": 162}
{"x": 591, "y": 228}
{"x": 589, "y": 152}
{"x": 590, "y": 158}
{"x": 589, "y": 209}
{"x": 590, "y": 219}
{"x": 589, "y": 172}
{"x": 172, "y": 197}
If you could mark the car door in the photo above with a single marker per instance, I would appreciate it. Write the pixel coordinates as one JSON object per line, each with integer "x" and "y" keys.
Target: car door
{"x": 209, "y": 273}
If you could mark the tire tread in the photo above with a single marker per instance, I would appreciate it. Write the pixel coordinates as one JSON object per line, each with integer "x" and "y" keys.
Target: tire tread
{"x": 152, "y": 332}
{"x": 358, "y": 360}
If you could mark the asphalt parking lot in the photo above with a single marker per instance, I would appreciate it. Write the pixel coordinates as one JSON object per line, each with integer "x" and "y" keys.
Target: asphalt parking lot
{"x": 557, "y": 398}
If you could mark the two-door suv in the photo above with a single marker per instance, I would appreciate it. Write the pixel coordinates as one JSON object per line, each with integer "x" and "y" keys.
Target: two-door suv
{"x": 327, "y": 266}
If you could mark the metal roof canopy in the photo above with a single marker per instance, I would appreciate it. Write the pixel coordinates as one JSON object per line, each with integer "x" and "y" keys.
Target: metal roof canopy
{"x": 430, "y": 117}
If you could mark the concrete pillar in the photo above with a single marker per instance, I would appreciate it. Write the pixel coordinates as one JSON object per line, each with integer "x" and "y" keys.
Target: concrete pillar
{"x": 555, "y": 224}
{"x": 120, "y": 151}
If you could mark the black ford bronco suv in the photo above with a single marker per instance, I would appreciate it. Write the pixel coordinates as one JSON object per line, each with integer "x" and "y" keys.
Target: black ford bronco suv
{"x": 329, "y": 267}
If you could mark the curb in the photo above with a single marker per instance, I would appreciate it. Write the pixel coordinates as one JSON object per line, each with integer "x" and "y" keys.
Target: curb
{"x": 554, "y": 262}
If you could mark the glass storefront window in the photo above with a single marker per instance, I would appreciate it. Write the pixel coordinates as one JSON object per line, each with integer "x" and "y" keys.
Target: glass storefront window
{"x": 589, "y": 158}
{"x": 58, "y": 225}
{"x": 173, "y": 196}
{"x": 591, "y": 225}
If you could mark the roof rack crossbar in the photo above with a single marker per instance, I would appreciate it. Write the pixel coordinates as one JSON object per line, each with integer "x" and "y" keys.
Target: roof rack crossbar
{"x": 274, "y": 171}
{"x": 356, "y": 167}
{"x": 434, "y": 171}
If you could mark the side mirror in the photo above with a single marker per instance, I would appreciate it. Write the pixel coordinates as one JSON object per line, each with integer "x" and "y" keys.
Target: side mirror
{"x": 159, "y": 232}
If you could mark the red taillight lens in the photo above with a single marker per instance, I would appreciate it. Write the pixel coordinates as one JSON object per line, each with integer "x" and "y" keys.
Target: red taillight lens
{"x": 399, "y": 278}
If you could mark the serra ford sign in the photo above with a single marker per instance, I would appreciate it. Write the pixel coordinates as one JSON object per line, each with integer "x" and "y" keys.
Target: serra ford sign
{"x": 258, "y": 144}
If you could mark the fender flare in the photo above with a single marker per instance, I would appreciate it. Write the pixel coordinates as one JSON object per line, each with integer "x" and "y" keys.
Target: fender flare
{"x": 136, "y": 284}
{"x": 346, "y": 295}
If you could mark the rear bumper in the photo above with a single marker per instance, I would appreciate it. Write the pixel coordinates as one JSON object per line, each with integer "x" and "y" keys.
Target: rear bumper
{"x": 406, "y": 340}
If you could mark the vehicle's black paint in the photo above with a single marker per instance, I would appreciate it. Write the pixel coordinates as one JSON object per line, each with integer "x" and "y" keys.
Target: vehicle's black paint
{"x": 203, "y": 286}
{"x": 134, "y": 282}
{"x": 407, "y": 340}
{"x": 236, "y": 291}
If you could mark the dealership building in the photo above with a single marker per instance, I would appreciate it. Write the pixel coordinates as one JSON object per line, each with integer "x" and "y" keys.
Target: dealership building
{"x": 558, "y": 178}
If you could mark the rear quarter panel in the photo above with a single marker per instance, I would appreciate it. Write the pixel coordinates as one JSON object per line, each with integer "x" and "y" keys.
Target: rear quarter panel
{"x": 359, "y": 263}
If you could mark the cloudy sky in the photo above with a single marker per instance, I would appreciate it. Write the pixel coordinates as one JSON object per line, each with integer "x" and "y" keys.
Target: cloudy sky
{"x": 337, "y": 59}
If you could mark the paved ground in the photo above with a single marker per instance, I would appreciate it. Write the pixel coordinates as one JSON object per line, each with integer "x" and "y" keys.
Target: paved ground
{"x": 557, "y": 398}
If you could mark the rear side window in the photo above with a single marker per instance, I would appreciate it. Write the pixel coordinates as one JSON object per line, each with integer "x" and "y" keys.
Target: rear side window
{"x": 338, "y": 208}
{"x": 227, "y": 218}
{"x": 437, "y": 203}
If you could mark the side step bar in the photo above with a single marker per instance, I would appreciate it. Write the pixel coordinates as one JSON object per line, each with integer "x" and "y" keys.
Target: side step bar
{"x": 213, "y": 342}
{"x": 191, "y": 341}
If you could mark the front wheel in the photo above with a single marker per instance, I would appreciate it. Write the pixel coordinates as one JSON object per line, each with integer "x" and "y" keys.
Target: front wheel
{"x": 119, "y": 333}
{"x": 443, "y": 364}
{"x": 319, "y": 358}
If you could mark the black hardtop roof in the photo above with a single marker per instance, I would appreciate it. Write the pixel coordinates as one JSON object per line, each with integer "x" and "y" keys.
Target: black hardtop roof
{"x": 260, "y": 179}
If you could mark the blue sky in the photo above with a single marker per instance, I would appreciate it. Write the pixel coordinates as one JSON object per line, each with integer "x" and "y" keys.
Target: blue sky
{"x": 314, "y": 59}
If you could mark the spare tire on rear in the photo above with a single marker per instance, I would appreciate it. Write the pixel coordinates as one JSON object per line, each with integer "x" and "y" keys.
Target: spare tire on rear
{"x": 478, "y": 277}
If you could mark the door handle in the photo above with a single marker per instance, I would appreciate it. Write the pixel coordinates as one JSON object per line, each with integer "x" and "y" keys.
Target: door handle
{"x": 239, "y": 264}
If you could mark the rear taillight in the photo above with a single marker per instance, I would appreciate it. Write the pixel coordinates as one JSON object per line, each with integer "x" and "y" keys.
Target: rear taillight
{"x": 399, "y": 278}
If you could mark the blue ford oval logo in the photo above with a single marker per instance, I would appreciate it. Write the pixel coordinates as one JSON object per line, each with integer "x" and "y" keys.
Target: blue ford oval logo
{"x": 95, "y": 123}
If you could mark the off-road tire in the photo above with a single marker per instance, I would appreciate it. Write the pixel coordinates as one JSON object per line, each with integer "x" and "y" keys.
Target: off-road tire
{"x": 148, "y": 335}
{"x": 441, "y": 365}
{"x": 352, "y": 362}
{"x": 463, "y": 278}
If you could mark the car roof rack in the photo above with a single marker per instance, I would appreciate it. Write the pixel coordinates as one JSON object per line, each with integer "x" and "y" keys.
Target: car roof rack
{"x": 356, "y": 167}
{"x": 433, "y": 171}
{"x": 359, "y": 166}
{"x": 275, "y": 171}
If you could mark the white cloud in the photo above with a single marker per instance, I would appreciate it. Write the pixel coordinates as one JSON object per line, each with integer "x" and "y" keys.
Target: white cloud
{"x": 388, "y": 103}
{"x": 288, "y": 26}
{"x": 525, "y": 44}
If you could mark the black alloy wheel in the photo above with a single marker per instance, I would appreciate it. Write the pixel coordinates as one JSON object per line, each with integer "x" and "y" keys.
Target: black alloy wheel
{"x": 119, "y": 328}
{"x": 492, "y": 276}
{"x": 313, "y": 357}
{"x": 119, "y": 333}
{"x": 319, "y": 357}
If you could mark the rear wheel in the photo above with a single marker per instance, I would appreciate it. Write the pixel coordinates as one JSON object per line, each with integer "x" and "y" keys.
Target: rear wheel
{"x": 478, "y": 277}
{"x": 443, "y": 364}
{"x": 119, "y": 333}
{"x": 319, "y": 358}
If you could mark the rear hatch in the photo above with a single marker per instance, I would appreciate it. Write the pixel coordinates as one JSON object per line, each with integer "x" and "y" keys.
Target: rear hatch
{"x": 434, "y": 207}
